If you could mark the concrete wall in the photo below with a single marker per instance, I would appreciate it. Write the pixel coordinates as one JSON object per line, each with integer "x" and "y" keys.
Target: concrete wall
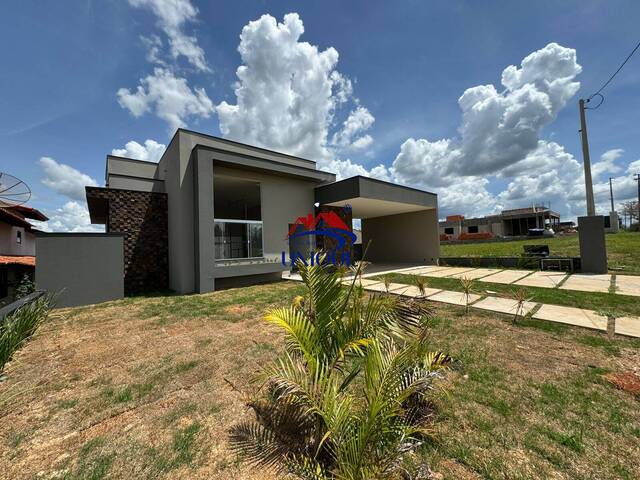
{"x": 86, "y": 268}
{"x": 406, "y": 237}
{"x": 9, "y": 245}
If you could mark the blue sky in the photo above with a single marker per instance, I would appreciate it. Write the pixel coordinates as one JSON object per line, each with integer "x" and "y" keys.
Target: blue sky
{"x": 407, "y": 64}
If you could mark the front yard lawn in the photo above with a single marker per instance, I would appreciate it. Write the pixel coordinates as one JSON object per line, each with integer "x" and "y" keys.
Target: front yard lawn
{"x": 149, "y": 387}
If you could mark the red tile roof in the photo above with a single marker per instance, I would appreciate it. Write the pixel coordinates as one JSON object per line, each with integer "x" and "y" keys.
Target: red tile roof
{"x": 16, "y": 260}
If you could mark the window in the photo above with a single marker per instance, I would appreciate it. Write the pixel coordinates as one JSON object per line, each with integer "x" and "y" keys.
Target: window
{"x": 237, "y": 218}
{"x": 448, "y": 230}
{"x": 19, "y": 237}
{"x": 472, "y": 229}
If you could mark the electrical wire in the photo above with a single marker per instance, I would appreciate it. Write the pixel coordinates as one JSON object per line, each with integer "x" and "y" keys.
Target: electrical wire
{"x": 612, "y": 77}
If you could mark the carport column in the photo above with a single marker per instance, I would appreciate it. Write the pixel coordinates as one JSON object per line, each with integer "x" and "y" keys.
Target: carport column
{"x": 203, "y": 222}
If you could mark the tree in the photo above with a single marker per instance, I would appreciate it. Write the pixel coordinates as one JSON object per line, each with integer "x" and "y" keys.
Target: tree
{"x": 349, "y": 396}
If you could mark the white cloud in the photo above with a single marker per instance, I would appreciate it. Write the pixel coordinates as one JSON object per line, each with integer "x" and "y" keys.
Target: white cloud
{"x": 500, "y": 129}
{"x": 71, "y": 217}
{"x": 65, "y": 180}
{"x": 151, "y": 151}
{"x": 351, "y": 136}
{"x": 172, "y": 16}
{"x": 607, "y": 163}
{"x": 168, "y": 96}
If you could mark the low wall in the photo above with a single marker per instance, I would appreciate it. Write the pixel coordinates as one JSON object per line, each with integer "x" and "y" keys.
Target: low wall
{"x": 84, "y": 268}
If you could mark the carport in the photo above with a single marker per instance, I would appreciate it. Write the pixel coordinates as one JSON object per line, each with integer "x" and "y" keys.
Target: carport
{"x": 399, "y": 224}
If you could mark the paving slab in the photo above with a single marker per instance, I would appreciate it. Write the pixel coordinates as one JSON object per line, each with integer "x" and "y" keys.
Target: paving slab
{"x": 379, "y": 287}
{"x": 504, "y": 305}
{"x": 447, "y": 271}
{"x": 545, "y": 279}
{"x": 453, "y": 298}
{"x": 413, "y": 291}
{"x": 423, "y": 270}
{"x": 506, "y": 276}
{"x": 587, "y": 283}
{"x": 365, "y": 282}
{"x": 475, "y": 274}
{"x": 572, "y": 316}
{"x": 628, "y": 326}
{"x": 628, "y": 285}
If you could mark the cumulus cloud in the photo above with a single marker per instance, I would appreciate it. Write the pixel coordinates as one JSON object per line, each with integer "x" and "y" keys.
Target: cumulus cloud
{"x": 71, "y": 217}
{"x": 499, "y": 129}
{"x": 172, "y": 16}
{"x": 65, "y": 180}
{"x": 607, "y": 163}
{"x": 168, "y": 96}
{"x": 151, "y": 151}
{"x": 352, "y": 134}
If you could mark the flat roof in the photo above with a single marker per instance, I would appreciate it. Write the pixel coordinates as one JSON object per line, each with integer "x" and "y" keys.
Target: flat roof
{"x": 370, "y": 197}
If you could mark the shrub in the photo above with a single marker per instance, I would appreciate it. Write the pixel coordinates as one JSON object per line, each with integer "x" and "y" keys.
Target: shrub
{"x": 349, "y": 396}
{"x": 20, "y": 325}
{"x": 25, "y": 287}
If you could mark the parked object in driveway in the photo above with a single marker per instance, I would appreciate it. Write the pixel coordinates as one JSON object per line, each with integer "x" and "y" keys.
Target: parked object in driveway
{"x": 541, "y": 232}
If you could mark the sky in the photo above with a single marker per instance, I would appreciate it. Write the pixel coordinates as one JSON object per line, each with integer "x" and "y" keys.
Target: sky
{"x": 475, "y": 101}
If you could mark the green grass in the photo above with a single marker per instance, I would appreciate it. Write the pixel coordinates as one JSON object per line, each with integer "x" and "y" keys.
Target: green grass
{"x": 622, "y": 304}
{"x": 622, "y": 249}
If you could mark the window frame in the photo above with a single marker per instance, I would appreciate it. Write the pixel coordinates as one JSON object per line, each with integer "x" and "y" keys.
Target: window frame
{"x": 247, "y": 223}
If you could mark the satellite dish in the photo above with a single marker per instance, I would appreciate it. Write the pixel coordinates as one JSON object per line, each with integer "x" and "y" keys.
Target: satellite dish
{"x": 13, "y": 191}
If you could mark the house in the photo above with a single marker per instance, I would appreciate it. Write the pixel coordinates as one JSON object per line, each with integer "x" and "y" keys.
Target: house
{"x": 213, "y": 212}
{"x": 509, "y": 223}
{"x": 17, "y": 246}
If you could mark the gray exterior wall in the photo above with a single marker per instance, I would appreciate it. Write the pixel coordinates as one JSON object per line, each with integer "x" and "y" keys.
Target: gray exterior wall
{"x": 188, "y": 181}
{"x": 88, "y": 268}
{"x": 406, "y": 237}
{"x": 9, "y": 245}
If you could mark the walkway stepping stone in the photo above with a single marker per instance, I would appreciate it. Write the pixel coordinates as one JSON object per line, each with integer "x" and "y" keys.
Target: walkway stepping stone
{"x": 453, "y": 298}
{"x": 628, "y": 326}
{"x": 506, "y": 276}
{"x": 587, "y": 283}
{"x": 447, "y": 271}
{"x": 475, "y": 274}
{"x": 572, "y": 316}
{"x": 423, "y": 270}
{"x": 414, "y": 292}
{"x": 504, "y": 305}
{"x": 365, "y": 282}
{"x": 379, "y": 287}
{"x": 628, "y": 285}
{"x": 544, "y": 279}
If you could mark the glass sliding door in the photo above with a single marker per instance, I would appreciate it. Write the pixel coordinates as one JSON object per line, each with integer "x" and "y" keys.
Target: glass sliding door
{"x": 236, "y": 239}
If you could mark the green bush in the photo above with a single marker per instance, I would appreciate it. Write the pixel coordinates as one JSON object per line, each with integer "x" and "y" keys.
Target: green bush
{"x": 16, "y": 328}
{"x": 349, "y": 396}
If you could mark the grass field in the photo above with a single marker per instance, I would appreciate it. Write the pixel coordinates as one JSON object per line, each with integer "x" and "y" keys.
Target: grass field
{"x": 622, "y": 249}
{"x": 149, "y": 387}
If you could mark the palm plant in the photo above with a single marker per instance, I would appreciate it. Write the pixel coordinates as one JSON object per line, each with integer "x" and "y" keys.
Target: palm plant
{"x": 521, "y": 296}
{"x": 468, "y": 287}
{"x": 421, "y": 283}
{"x": 349, "y": 395}
{"x": 387, "y": 282}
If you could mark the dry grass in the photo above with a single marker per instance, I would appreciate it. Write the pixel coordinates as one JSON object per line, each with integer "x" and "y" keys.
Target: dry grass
{"x": 144, "y": 388}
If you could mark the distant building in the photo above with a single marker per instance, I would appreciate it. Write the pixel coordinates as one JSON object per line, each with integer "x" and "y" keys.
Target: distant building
{"x": 17, "y": 246}
{"x": 509, "y": 223}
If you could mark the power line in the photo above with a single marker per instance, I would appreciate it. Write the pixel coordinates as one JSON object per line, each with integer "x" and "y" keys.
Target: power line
{"x": 614, "y": 74}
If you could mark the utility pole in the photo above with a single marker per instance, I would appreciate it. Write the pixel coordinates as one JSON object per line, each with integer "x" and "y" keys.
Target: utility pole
{"x": 636, "y": 177}
{"x": 611, "y": 194}
{"x": 591, "y": 208}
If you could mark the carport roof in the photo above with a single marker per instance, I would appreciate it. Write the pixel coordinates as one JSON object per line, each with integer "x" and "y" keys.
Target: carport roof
{"x": 369, "y": 197}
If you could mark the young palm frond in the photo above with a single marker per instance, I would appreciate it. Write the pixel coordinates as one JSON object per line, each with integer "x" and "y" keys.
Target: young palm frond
{"x": 349, "y": 396}
{"x": 387, "y": 282}
{"x": 468, "y": 287}
{"x": 421, "y": 283}
{"x": 521, "y": 296}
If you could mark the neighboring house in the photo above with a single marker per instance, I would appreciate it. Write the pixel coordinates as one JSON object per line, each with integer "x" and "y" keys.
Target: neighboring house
{"x": 17, "y": 246}
{"x": 509, "y": 223}
{"x": 212, "y": 211}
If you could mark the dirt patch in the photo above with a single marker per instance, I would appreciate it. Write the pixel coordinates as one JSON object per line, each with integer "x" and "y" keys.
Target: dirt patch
{"x": 237, "y": 309}
{"x": 627, "y": 381}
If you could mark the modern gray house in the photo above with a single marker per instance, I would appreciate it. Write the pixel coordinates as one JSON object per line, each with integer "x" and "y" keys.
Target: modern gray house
{"x": 212, "y": 211}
